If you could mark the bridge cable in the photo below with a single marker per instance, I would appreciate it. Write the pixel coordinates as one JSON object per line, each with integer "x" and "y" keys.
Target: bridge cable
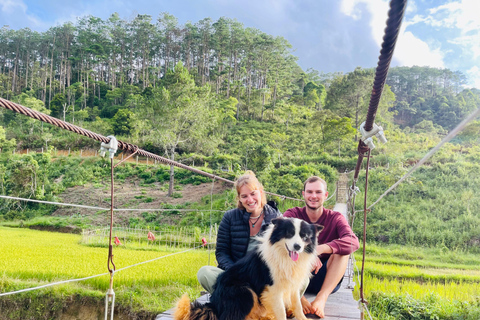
{"x": 447, "y": 138}
{"x": 394, "y": 21}
{"x": 110, "y": 296}
{"x": 9, "y": 105}
{"x": 101, "y": 208}
{"x": 395, "y": 17}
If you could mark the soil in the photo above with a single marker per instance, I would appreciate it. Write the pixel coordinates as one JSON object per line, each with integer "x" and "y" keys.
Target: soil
{"x": 129, "y": 195}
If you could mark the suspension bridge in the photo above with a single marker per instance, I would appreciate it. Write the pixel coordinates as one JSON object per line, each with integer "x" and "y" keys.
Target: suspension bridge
{"x": 340, "y": 305}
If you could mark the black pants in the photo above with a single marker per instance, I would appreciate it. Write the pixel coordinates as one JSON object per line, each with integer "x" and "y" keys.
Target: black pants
{"x": 316, "y": 281}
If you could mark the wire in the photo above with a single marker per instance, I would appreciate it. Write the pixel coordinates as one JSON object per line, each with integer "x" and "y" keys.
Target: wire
{"x": 331, "y": 195}
{"x": 51, "y": 284}
{"x": 449, "y": 137}
{"x": 101, "y": 208}
{"x": 54, "y": 203}
{"x": 155, "y": 259}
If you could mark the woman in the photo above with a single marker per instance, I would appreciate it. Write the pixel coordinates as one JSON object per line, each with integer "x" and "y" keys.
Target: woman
{"x": 238, "y": 228}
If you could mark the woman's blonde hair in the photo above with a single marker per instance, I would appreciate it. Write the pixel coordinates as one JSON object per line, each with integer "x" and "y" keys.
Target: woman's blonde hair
{"x": 250, "y": 180}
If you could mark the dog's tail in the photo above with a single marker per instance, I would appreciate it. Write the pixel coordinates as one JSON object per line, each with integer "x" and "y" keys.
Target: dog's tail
{"x": 193, "y": 311}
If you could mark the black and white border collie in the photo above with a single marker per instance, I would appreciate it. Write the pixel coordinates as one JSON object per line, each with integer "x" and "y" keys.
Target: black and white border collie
{"x": 266, "y": 281}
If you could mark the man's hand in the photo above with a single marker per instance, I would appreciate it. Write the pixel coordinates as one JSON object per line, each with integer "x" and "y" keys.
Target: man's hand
{"x": 318, "y": 264}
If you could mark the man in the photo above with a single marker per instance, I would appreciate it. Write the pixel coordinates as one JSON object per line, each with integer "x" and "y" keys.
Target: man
{"x": 335, "y": 244}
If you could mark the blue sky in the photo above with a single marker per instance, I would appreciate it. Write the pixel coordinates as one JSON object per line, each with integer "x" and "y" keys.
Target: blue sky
{"x": 327, "y": 35}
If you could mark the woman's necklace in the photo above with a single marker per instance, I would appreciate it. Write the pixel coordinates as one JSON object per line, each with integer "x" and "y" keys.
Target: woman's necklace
{"x": 256, "y": 219}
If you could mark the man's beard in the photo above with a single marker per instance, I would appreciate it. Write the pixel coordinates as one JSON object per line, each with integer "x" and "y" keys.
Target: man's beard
{"x": 312, "y": 208}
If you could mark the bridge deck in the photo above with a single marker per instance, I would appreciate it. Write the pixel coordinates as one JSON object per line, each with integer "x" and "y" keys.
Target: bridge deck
{"x": 340, "y": 306}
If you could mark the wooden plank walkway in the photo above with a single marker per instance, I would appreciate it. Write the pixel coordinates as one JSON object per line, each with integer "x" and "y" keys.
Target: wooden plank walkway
{"x": 340, "y": 305}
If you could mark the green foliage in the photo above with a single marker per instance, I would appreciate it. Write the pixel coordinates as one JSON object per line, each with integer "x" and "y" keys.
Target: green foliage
{"x": 123, "y": 123}
{"x": 288, "y": 180}
{"x": 404, "y": 307}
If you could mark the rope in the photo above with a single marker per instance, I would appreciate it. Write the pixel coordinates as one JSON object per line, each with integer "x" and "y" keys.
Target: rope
{"x": 101, "y": 208}
{"x": 362, "y": 298}
{"x": 155, "y": 259}
{"x": 211, "y": 208}
{"x": 394, "y": 21}
{"x": 54, "y": 203}
{"x": 76, "y": 129}
{"x": 364, "y": 305}
{"x": 110, "y": 246}
{"x": 91, "y": 277}
{"x": 395, "y": 17}
{"x": 447, "y": 138}
{"x": 331, "y": 195}
{"x": 51, "y": 284}
{"x": 121, "y": 145}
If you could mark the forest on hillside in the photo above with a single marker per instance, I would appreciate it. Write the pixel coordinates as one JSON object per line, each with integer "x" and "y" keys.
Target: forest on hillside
{"x": 227, "y": 98}
{"x": 96, "y": 69}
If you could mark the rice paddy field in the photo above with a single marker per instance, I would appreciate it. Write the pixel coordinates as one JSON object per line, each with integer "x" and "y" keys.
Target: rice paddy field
{"x": 400, "y": 282}
{"x": 31, "y": 258}
{"x": 419, "y": 283}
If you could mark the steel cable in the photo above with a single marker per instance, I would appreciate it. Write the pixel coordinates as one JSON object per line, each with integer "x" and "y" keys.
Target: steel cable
{"x": 394, "y": 21}
{"x": 121, "y": 145}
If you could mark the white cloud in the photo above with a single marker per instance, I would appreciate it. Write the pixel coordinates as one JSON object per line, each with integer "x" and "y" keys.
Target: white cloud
{"x": 379, "y": 14}
{"x": 474, "y": 76}
{"x": 16, "y": 11}
{"x": 411, "y": 51}
{"x": 470, "y": 43}
{"x": 349, "y": 8}
{"x": 9, "y": 6}
{"x": 461, "y": 16}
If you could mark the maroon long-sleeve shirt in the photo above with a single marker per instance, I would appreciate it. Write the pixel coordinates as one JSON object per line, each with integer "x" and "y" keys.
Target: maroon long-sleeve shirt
{"x": 336, "y": 233}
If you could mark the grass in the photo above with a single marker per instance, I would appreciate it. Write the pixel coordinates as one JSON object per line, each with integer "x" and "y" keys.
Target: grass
{"x": 31, "y": 258}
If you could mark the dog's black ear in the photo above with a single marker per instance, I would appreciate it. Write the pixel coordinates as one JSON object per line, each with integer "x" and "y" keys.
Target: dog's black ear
{"x": 272, "y": 204}
{"x": 318, "y": 228}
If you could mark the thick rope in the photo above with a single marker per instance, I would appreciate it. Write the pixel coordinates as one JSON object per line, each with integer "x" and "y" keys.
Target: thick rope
{"x": 394, "y": 21}
{"x": 121, "y": 145}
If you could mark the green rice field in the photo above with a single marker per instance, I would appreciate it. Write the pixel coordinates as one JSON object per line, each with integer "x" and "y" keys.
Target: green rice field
{"x": 400, "y": 283}
{"x": 31, "y": 258}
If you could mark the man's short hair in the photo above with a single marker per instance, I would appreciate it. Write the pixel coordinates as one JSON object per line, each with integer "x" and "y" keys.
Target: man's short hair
{"x": 315, "y": 179}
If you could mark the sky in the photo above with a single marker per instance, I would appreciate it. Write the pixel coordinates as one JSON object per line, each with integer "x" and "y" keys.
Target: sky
{"x": 326, "y": 35}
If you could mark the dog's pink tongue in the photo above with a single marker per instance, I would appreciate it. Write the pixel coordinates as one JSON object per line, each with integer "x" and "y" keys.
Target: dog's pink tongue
{"x": 294, "y": 255}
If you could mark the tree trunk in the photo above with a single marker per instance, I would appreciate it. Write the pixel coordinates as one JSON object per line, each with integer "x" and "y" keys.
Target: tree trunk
{"x": 26, "y": 68}
{"x": 51, "y": 72}
{"x": 15, "y": 68}
{"x": 172, "y": 174}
